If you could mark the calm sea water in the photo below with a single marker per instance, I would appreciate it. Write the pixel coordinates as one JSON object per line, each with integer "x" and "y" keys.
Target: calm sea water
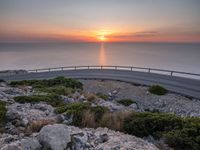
{"x": 181, "y": 57}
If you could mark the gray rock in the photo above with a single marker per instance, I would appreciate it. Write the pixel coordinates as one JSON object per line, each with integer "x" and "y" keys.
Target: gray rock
{"x": 11, "y": 147}
{"x": 14, "y": 142}
{"x": 82, "y": 98}
{"x": 103, "y": 138}
{"x": 55, "y": 136}
{"x": 134, "y": 106}
{"x": 80, "y": 141}
{"x": 111, "y": 105}
{"x": 30, "y": 144}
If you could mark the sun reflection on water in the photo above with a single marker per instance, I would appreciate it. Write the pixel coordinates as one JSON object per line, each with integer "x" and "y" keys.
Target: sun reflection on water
{"x": 102, "y": 57}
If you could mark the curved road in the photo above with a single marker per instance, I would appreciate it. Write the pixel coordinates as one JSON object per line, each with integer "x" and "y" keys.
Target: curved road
{"x": 185, "y": 86}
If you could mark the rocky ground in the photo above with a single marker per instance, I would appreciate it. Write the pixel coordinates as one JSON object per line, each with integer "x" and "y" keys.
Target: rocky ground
{"x": 171, "y": 102}
{"x": 38, "y": 127}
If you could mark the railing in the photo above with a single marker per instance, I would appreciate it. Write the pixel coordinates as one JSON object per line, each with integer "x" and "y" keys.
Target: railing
{"x": 130, "y": 68}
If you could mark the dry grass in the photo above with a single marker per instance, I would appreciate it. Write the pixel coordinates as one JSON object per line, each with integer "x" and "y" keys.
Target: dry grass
{"x": 91, "y": 97}
{"x": 35, "y": 126}
{"x": 88, "y": 119}
{"x": 110, "y": 120}
{"x": 114, "y": 121}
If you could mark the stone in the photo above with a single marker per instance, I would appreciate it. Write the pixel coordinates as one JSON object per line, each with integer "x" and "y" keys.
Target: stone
{"x": 80, "y": 141}
{"x": 82, "y": 98}
{"x": 11, "y": 147}
{"x": 111, "y": 105}
{"x": 55, "y": 137}
{"x": 30, "y": 144}
{"x": 13, "y": 142}
{"x": 103, "y": 138}
{"x": 134, "y": 106}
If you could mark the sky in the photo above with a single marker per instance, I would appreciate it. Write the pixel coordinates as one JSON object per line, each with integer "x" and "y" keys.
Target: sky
{"x": 100, "y": 20}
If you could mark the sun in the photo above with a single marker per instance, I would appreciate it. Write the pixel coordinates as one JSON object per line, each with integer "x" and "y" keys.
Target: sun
{"x": 102, "y": 38}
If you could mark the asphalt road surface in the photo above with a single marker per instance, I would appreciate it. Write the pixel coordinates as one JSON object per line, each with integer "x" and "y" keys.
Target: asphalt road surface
{"x": 185, "y": 86}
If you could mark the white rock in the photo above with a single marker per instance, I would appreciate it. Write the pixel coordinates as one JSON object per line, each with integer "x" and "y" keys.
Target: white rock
{"x": 55, "y": 136}
{"x": 30, "y": 144}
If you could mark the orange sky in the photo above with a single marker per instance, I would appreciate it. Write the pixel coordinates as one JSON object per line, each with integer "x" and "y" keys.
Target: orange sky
{"x": 97, "y": 21}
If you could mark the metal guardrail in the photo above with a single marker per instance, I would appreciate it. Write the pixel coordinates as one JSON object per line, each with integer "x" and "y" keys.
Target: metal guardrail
{"x": 130, "y": 68}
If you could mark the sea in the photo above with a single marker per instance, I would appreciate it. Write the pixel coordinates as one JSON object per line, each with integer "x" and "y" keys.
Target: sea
{"x": 170, "y": 56}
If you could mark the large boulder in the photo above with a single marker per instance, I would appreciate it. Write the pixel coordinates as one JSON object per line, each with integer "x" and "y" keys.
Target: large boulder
{"x": 55, "y": 137}
{"x": 106, "y": 139}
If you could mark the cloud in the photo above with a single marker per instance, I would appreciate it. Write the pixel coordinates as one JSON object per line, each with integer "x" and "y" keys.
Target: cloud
{"x": 143, "y": 34}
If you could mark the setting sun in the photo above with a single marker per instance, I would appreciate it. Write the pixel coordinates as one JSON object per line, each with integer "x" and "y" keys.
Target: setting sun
{"x": 102, "y": 38}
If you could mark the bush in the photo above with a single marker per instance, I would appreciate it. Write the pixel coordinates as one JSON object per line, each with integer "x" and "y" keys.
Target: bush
{"x": 78, "y": 110}
{"x": 2, "y": 112}
{"x": 126, "y": 102}
{"x": 158, "y": 90}
{"x": 2, "y": 116}
{"x": 147, "y": 123}
{"x": 103, "y": 96}
{"x": 98, "y": 111}
{"x": 74, "y": 109}
{"x": 179, "y": 133}
{"x": 59, "y": 81}
{"x": 60, "y": 90}
{"x": 186, "y": 138}
{"x": 50, "y": 99}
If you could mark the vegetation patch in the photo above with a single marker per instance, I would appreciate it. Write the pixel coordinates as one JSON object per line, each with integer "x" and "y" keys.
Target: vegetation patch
{"x": 103, "y": 96}
{"x": 158, "y": 90}
{"x": 126, "y": 102}
{"x": 59, "y": 81}
{"x": 79, "y": 109}
{"x": 60, "y": 90}
{"x": 179, "y": 133}
{"x": 35, "y": 126}
{"x": 51, "y": 99}
{"x": 2, "y": 116}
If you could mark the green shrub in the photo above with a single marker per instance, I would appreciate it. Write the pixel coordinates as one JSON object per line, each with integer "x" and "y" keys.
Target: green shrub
{"x": 2, "y": 116}
{"x": 2, "y": 112}
{"x": 78, "y": 110}
{"x": 126, "y": 102}
{"x": 98, "y": 111}
{"x": 179, "y": 133}
{"x": 147, "y": 123}
{"x": 60, "y": 90}
{"x": 158, "y": 90}
{"x": 59, "y": 81}
{"x": 75, "y": 109}
{"x": 187, "y": 137}
{"x": 51, "y": 99}
{"x": 103, "y": 96}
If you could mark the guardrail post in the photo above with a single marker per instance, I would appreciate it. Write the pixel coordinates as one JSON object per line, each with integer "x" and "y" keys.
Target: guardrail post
{"x": 75, "y": 67}
{"x": 101, "y": 67}
{"x": 62, "y": 68}
{"x": 88, "y": 67}
{"x": 172, "y": 73}
{"x": 36, "y": 70}
{"x": 49, "y": 69}
{"x": 131, "y": 68}
{"x": 149, "y": 70}
{"x": 115, "y": 67}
